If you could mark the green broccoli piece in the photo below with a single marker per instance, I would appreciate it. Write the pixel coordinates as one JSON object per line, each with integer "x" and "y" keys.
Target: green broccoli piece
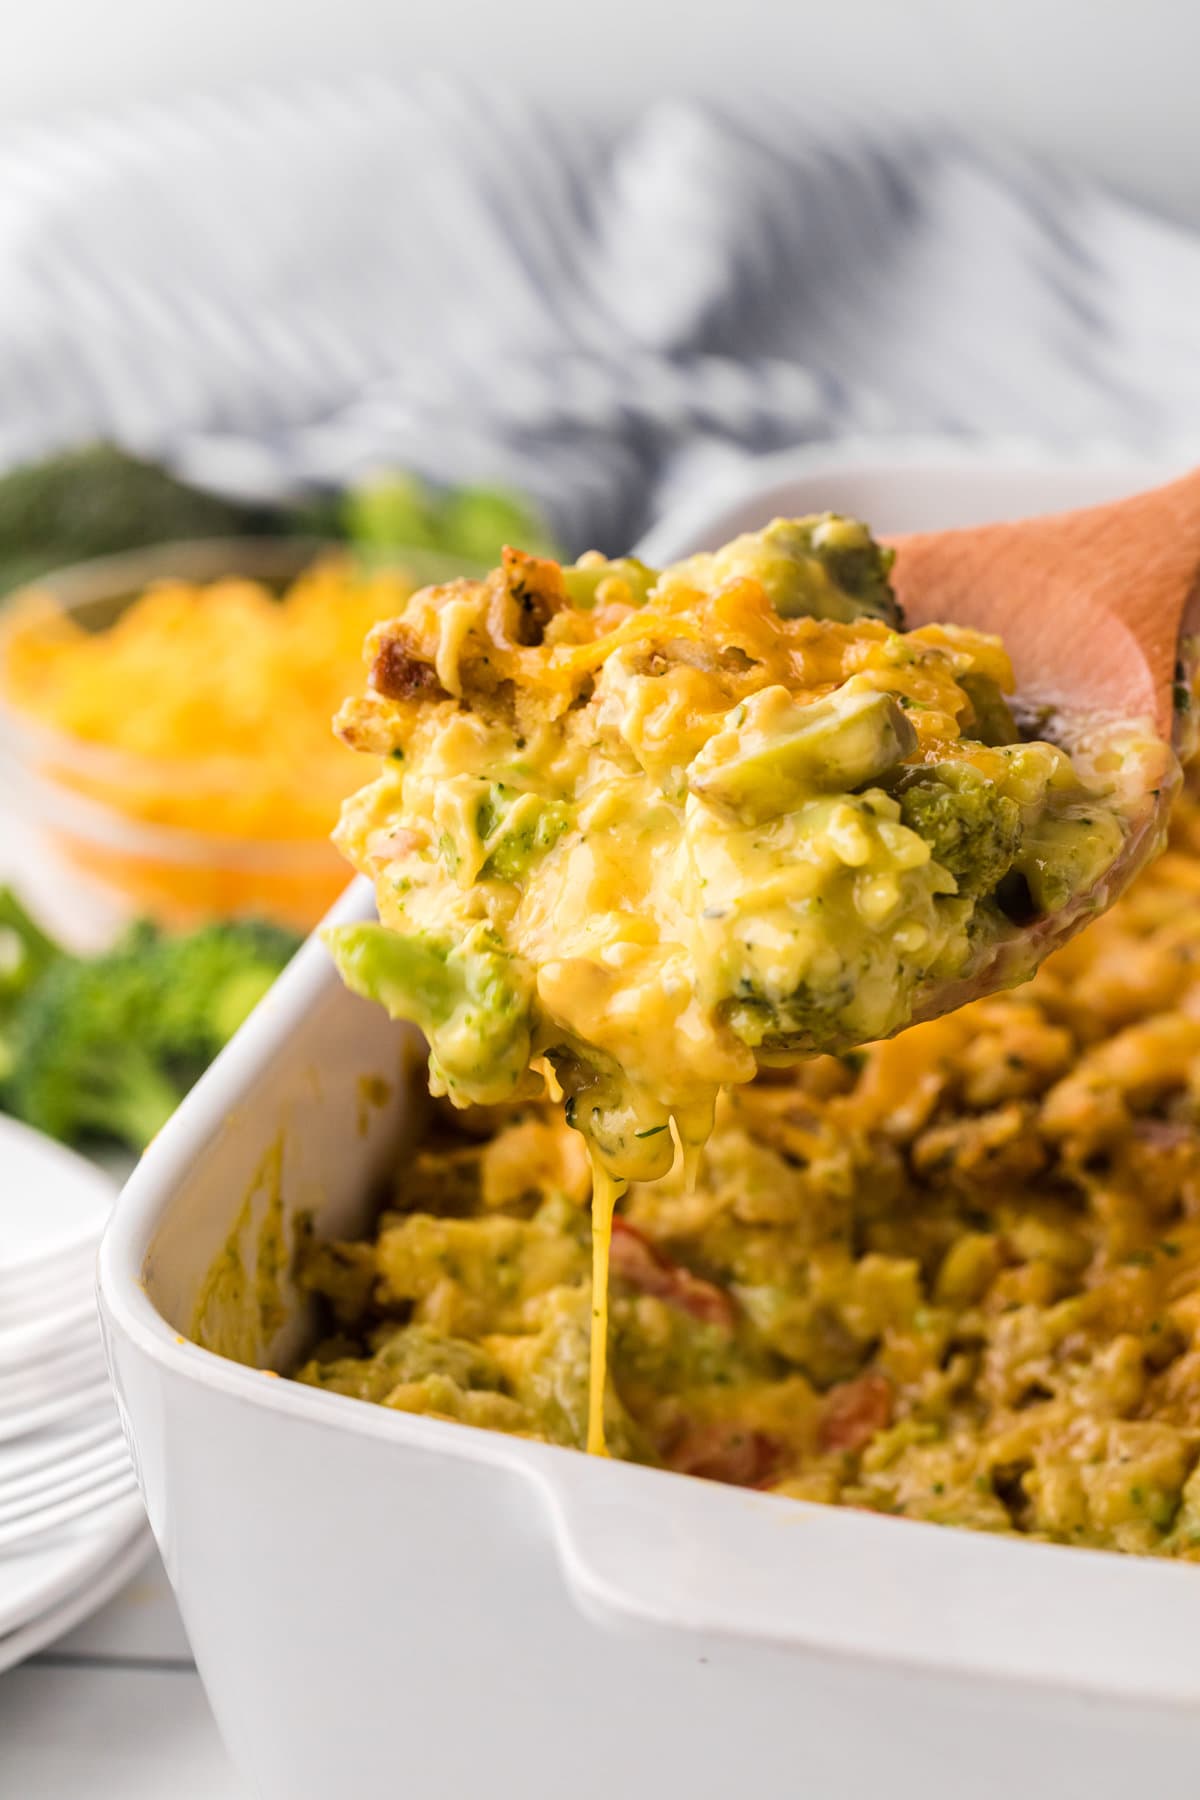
{"x": 993, "y": 722}
{"x": 394, "y": 513}
{"x": 822, "y": 567}
{"x": 97, "y": 500}
{"x": 800, "y": 1023}
{"x": 582, "y": 579}
{"x": 205, "y": 984}
{"x": 477, "y": 523}
{"x": 105, "y": 1048}
{"x": 470, "y": 999}
{"x": 1065, "y": 853}
{"x": 972, "y": 829}
{"x": 516, "y": 830}
{"x": 841, "y": 742}
{"x": 25, "y": 951}
{"x": 409, "y": 1353}
{"x": 78, "y": 1068}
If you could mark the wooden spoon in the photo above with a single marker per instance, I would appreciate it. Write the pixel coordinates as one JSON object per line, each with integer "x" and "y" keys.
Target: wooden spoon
{"x": 1099, "y": 610}
{"x": 1092, "y": 605}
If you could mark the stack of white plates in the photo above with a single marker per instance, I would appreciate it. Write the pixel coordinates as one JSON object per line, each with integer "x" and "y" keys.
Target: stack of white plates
{"x": 72, "y": 1528}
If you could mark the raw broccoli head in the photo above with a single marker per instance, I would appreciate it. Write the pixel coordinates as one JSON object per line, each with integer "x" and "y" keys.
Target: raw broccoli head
{"x": 107, "y": 1048}
{"x": 392, "y": 513}
{"x": 80, "y": 1067}
{"x": 204, "y": 985}
{"x": 972, "y": 829}
{"x": 25, "y": 951}
{"x": 97, "y": 500}
{"x": 26, "y": 954}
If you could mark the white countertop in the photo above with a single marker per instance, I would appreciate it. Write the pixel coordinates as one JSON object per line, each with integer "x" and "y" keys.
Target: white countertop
{"x": 115, "y": 1709}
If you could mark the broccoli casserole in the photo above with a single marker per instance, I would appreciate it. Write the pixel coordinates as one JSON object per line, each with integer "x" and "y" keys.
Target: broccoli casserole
{"x": 953, "y": 1277}
{"x": 641, "y": 833}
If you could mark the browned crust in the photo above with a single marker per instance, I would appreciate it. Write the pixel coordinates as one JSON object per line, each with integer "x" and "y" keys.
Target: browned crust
{"x": 398, "y": 673}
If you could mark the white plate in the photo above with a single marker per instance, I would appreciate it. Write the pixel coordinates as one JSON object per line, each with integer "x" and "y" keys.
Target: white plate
{"x": 51, "y": 1570}
{"x": 56, "y": 1446}
{"x": 86, "y": 1476}
{"x": 80, "y": 1504}
{"x": 41, "y": 1340}
{"x": 50, "y": 1199}
{"x": 26, "y": 1284}
{"x": 49, "y": 1626}
{"x": 79, "y": 1369}
{"x": 92, "y": 1401}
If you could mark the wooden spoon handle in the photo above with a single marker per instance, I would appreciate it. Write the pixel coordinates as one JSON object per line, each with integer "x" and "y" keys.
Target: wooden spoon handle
{"x": 1092, "y": 605}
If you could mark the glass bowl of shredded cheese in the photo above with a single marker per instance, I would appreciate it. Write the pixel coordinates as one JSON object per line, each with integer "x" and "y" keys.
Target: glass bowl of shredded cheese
{"x": 165, "y": 736}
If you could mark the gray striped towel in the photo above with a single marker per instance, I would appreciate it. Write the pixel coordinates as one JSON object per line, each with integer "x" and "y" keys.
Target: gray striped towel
{"x": 278, "y": 289}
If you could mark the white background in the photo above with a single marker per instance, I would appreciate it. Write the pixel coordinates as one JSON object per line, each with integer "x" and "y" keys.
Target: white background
{"x": 1110, "y": 85}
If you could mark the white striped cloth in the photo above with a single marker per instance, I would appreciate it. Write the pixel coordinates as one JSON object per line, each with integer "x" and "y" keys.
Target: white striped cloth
{"x": 282, "y": 288}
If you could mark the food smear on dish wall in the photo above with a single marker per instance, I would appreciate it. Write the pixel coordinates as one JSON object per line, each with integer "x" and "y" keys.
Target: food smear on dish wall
{"x": 240, "y": 1304}
{"x": 646, "y": 832}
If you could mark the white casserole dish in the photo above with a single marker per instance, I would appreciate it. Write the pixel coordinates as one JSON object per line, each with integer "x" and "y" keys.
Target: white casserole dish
{"x": 382, "y": 1603}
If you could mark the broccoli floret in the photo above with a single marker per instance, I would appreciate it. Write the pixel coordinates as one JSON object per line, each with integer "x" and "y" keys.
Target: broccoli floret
{"x": 993, "y": 722}
{"x": 583, "y": 578}
{"x": 394, "y": 513}
{"x": 98, "y": 500}
{"x": 1065, "y": 853}
{"x": 516, "y": 830}
{"x": 782, "y": 753}
{"x": 803, "y": 1023}
{"x": 823, "y": 567}
{"x": 477, "y": 523}
{"x": 470, "y": 999}
{"x": 972, "y": 829}
{"x": 106, "y": 1048}
{"x": 409, "y": 1353}
{"x": 205, "y": 984}
{"x": 79, "y": 1070}
{"x": 26, "y": 954}
{"x": 25, "y": 951}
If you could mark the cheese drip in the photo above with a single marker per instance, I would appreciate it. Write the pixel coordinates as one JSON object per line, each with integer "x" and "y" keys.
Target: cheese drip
{"x": 605, "y": 1190}
{"x": 692, "y": 1127}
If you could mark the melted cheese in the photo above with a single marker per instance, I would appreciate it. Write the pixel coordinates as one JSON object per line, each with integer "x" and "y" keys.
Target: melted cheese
{"x": 605, "y": 1193}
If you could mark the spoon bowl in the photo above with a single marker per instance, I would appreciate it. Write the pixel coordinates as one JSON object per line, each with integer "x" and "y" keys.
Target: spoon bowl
{"x": 1099, "y": 610}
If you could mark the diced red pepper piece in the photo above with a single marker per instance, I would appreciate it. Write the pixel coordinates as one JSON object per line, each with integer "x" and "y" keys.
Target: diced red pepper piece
{"x": 635, "y": 1260}
{"x": 855, "y": 1411}
{"x": 723, "y": 1450}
